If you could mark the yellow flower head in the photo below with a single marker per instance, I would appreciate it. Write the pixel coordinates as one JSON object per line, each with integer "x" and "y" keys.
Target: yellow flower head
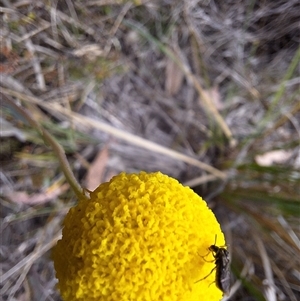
{"x": 140, "y": 237}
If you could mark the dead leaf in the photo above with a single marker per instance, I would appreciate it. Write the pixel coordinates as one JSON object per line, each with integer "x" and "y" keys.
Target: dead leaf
{"x": 273, "y": 157}
{"x": 96, "y": 171}
{"x": 174, "y": 78}
{"x": 214, "y": 95}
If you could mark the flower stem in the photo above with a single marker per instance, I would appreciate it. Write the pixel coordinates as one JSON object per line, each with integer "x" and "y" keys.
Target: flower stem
{"x": 57, "y": 149}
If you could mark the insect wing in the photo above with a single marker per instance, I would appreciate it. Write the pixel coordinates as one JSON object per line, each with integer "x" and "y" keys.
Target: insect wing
{"x": 223, "y": 274}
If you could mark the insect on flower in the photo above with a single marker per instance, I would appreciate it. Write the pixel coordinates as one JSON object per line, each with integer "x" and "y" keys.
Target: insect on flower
{"x": 222, "y": 262}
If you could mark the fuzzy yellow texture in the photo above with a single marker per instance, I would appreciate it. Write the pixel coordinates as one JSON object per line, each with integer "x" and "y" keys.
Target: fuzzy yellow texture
{"x": 140, "y": 237}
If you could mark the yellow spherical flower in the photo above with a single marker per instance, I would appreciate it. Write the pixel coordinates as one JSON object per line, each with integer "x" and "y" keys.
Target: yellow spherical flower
{"x": 140, "y": 237}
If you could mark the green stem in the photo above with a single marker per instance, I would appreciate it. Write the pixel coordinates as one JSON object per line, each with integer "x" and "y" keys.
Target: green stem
{"x": 57, "y": 149}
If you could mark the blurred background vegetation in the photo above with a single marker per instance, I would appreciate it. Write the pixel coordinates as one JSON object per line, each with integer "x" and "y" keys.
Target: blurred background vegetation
{"x": 204, "y": 91}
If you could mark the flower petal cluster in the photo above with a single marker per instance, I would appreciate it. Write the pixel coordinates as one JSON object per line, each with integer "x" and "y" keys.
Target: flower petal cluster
{"x": 140, "y": 237}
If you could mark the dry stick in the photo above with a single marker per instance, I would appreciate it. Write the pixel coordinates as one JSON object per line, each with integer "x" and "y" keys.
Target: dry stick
{"x": 131, "y": 138}
{"x": 58, "y": 150}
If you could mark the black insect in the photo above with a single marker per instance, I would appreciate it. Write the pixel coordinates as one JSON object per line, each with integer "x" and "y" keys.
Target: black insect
{"x": 222, "y": 262}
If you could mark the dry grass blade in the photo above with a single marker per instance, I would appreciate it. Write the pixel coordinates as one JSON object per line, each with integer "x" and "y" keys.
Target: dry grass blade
{"x": 283, "y": 280}
{"x": 209, "y": 105}
{"x": 289, "y": 230}
{"x": 274, "y": 227}
{"x": 269, "y": 285}
{"x": 200, "y": 180}
{"x": 133, "y": 139}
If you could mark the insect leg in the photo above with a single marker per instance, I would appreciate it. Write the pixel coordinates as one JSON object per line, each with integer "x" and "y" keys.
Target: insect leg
{"x": 206, "y": 256}
{"x": 206, "y": 276}
{"x": 208, "y": 260}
